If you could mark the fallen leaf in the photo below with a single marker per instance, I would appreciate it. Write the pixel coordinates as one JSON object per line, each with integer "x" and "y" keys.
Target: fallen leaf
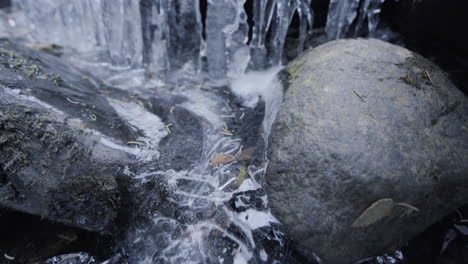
{"x": 241, "y": 176}
{"x": 222, "y": 158}
{"x": 247, "y": 154}
{"x": 378, "y": 210}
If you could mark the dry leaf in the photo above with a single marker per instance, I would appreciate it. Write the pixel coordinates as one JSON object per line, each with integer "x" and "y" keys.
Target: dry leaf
{"x": 378, "y": 210}
{"x": 409, "y": 206}
{"x": 407, "y": 212}
{"x": 241, "y": 176}
{"x": 222, "y": 158}
{"x": 247, "y": 154}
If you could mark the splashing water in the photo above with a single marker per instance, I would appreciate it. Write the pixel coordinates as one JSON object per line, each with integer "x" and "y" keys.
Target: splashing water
{"x": 220, "y": 216}
{"x": 205, "y": 214}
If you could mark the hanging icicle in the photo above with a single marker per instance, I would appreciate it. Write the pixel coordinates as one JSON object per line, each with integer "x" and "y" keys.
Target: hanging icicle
{"x": 342, "y": 14}
{"x": 166, "y": 35}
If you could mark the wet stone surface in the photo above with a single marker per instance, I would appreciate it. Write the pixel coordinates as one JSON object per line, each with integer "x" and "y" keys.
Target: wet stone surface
{"x": 364, "y": 121}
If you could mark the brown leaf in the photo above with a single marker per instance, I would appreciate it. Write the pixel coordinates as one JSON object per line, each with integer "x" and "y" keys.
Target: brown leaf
{"x": 222, "y": 158}
{"x": 247, "y": 154}
{"x": 378, "y": 210}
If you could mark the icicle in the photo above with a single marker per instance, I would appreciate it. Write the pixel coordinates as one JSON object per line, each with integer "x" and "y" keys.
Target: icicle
{"x": 306, "y": 17}
{"x": 263, "y": 12}
{"x": 373, "y": 15}
{"x": 370, "y": 9}
{"x": 341, "y": 14}
{"x": 155, "y": 31}
{"x": 73, "y": 23}
{"x": 275, "y": 16}
{"x": 165, "y": 35}
{"x": 184, "y": 32}
{"x": 226, "y": 37}
{"x": 123, "y": 33}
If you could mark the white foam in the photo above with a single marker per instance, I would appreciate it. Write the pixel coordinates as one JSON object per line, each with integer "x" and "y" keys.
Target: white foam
{"x": 263, "y": 255}
{"x": 203, "y": 106}
{"x": 253, "y": 85}
{"x": 17, "y": 94}
{"x": 140, "y": 119}
{"x": 248, "y": 185}
{"x": 256, "y": 219}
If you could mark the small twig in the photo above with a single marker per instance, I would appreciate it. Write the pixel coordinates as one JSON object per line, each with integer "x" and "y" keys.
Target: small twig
{"x": 69, "y": 256}
{"x": 171, "y": 111}
{"x": 67, "y": 238}
{"x": 227, "y": 133}
{"x": 8, "y": 256}
{"x": 226, "y": 116}
{"x": 237, "y": 252}
{"x": 138, "y": 101}
{"x": 429, "y": 77}
{"x": 104, "y": 92}
{"x": 242, "y": 116}
{"x": 71, "y": 101}
{"x": 227, "y": 184}
{"x": 408, "y": 206}
{"x": 135, "y": 143}
{"x": 168, "y": 128}
{"x": 464, "y": 221}
{"x": 239, "y": 151}
{"x": 360, "y": 97}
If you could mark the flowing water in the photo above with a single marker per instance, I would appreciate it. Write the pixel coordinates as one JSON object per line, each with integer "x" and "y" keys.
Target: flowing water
{"x": 224, "y": 59}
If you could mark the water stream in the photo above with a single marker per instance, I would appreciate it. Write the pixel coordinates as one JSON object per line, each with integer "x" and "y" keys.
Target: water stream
{"x": 225, "y": 63}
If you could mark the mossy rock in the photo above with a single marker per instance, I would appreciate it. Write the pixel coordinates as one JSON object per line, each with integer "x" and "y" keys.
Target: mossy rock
{"x": 363, "y": 120}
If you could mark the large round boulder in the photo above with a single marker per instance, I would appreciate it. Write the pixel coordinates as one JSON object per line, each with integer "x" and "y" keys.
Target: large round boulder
{"x": 369, "y": 148}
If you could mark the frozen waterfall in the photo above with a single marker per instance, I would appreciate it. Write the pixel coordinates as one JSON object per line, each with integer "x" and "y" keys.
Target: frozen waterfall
{"x": 212, "y": 36}
{"x": 206, "y": 213}
{"x": 342, "y": 15}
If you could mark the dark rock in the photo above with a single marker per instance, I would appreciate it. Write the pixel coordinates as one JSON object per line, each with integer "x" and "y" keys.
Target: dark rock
{"x": 5, "y": 3}
{"x": 50, "y": 164}
{"x": 184, "y": 143}
{"x": 364, "y": 120}
{"x": 434, "y": 29}
{"x": 442, "y": 243}
{"x": 32, "y": 239}
{"x": 68, "y": 142}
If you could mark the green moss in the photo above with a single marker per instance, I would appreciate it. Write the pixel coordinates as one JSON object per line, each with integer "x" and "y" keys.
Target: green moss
{"x": 294, "y": 68}
{"x": 417, "y": 69}
{"x": 25, "y": 65}
{"x": 57, "y": 80}
{"x": 408, "y": 80}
